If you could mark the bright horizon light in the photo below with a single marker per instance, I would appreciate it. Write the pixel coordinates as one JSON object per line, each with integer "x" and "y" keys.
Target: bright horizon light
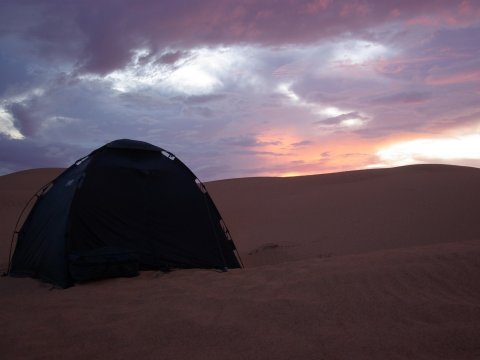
{"x": 465, "y": 147}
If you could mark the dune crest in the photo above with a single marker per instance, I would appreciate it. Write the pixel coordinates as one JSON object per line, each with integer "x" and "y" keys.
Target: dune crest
{"x": 350, "y": 212}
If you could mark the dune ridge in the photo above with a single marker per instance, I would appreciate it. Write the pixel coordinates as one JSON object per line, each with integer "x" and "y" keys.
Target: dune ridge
{"x": 372, "y": 264}
{"x": 350, "y": 212}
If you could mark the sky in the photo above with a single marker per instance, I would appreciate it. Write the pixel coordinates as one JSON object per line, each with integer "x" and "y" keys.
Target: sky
{"x": 240, "y": 88}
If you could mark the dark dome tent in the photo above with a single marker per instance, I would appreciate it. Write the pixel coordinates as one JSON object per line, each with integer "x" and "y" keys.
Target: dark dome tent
{"x": 128, "y": 206}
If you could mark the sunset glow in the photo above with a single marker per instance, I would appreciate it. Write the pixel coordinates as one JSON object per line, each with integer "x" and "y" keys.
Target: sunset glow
{"x": 239, "y": 88}
{"x": 424, "y": 150}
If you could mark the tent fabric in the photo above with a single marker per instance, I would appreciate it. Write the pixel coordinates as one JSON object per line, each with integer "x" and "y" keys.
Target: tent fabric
{"x": 126, "y": 207}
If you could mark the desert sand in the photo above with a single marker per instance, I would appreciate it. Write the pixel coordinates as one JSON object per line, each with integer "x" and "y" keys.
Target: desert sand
{"x": 371, "y": 264}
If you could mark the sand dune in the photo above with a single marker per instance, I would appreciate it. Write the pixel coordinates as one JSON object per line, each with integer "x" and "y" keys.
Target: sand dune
{"x": 376, "y": 264}
{"x": 350, "y": 212}
{"x": 15, "y": 191}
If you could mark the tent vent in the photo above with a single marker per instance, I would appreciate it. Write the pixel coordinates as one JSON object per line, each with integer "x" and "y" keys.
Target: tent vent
{"x": 168, "y": 155}
{"x": 79, "y": 161}
{"x": 201, "y": 186}
{"x": 45, "y": 189}
{"x": 225, "y": 230}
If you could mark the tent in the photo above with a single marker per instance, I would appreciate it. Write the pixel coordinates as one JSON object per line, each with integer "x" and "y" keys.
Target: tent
{"x": 127, "y": 206}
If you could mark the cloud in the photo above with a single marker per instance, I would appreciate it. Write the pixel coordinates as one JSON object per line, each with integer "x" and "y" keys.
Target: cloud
{"x": 316, "y": 6}
{"x": 302, "y": 143}
{"x": 24, "y": 118}
{"x": 341, "y": 119}
{"x": 248, "y": 141}
{"x": 448, "y": 56}
{"x": 101, "y": 36}
{"x": 16, "y": 155}
{"x": 355, "y": 8}
{"x": 471, "y": 120}
{"x": 170, "y": 57}
{"x": 7, "y": 125}
{"x": 460, "y": 76}
{"x": 257, "y": 85}
{"x": 412, "y": 97}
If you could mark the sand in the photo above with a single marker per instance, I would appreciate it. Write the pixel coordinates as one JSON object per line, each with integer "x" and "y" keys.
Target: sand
{"x": 373, "y": 264}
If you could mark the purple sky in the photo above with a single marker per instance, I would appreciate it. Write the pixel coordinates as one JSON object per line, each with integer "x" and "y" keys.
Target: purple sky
{"x": 242, "y": 88}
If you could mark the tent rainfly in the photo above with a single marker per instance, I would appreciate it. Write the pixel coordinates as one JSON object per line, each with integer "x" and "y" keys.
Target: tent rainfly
{"x": 127, "y": 206}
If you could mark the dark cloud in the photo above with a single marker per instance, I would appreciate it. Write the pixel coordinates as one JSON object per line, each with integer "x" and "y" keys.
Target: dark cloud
{"x": 16, "y": 155}
{"x": 248, "y": 141}
{"x": 103, "y": 33}
{"x": 199, "y": 99}
{"x": 302, "y": 143}
{"x": 201, "y": 111}
{"x": 458, "y": 42}
{"x": 24, "y": 119}
{"x": 172, "y": 57}
{"x": 407, "y": 98}
{"x": 12, "y": 72}
{"x": 350, "y": 155}
{"x": 261, "y": 153}
{"x": 446, "y": 55}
